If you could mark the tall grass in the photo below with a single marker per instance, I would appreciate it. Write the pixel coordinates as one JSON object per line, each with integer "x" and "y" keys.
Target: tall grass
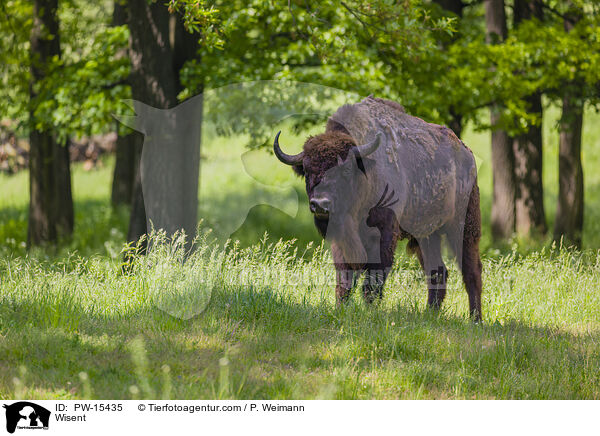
{"x": 284, "y": 338}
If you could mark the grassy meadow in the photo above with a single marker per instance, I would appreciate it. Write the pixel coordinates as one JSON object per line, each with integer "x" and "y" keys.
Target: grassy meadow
{"x": 74, "y": 324}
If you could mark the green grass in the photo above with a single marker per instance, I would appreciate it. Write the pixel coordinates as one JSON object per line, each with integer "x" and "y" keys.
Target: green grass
{"x": 73, "y": 324}
{"x": 271, "y": 338}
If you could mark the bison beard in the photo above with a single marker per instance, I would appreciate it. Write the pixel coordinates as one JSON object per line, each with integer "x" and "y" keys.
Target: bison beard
{"x": 369, "y": 203}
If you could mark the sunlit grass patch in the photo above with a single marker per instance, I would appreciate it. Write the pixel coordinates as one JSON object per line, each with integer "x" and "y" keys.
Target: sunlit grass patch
{"x": 284, "y": 338}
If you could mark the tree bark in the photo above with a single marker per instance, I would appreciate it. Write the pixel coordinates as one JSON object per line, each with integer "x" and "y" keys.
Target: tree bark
{"x": 495, "y": 21}
{"x": 530, "y": 218}
{"x": 152, "y": 81}
{"x": 569, "y": 209}
{"x": 503, "y": 161}
{"x": 455, "y": 7}
{"x": 456, "y": 123}
{"x": 185, "y": 47}
{"x": 526, "y": 10}
{"x": 50, "y": 196}
{"x": 568, "y": 224}
{"x": 158, "y": 46}
{"x": 128, "y": 146}
{"x": 527, "y": 148}
{"x": 127, "y": 153}
{"x": 503, "y": 166}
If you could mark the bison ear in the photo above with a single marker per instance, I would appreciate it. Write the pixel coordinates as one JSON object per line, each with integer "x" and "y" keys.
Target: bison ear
{"x": 365, "y": 164}
{"x": 298, "y": 169}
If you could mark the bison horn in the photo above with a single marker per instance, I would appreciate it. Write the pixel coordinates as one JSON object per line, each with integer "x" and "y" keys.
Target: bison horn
{"x": 368, "y": 148}
{"x": 287, "y": 159}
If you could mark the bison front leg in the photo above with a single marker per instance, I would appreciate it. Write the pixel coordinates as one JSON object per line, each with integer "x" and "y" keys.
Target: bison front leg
{"x": 377, "y": 272}
{"x": 345, "y": 276}
{"x": 345, "y": 281}
{"x": 435, "y": 271}
{"x": 373, "y": 284}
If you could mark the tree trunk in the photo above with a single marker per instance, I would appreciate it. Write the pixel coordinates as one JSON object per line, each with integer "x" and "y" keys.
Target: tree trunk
{"x": 158, "y": 47}
{"x": 526, "y": 10}
{"x": 50, "y": 197}
{"x": 503, "y": 173}
{"x": 495, "y": 21}
{"x": 152, "y": 81}
{"x": 455, "y": 7}
{"x": 569, "y": 209}
{"x": 503, "y": 161}
{"x": 456, "y": 123}
{"x": 185, "y": 47}
{"x": 527, "y": 149}
{"x": 128, "y": 147}
{"x": 127, "y": 154}
{"x": 64, "y": 217}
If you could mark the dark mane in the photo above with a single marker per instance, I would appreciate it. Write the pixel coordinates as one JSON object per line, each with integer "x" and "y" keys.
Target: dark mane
{"x": 323, "y": 150}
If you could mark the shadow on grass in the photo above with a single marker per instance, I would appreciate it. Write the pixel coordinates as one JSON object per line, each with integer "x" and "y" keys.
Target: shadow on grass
{"x": 279, "y": 348}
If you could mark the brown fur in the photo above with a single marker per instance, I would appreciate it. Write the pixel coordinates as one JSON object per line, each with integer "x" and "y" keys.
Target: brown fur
{"x": 471, "y": 262}
{"x": 321, "y": 153}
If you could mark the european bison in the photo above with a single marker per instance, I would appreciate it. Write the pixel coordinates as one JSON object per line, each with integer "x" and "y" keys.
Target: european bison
{"x": 378, "y": 175}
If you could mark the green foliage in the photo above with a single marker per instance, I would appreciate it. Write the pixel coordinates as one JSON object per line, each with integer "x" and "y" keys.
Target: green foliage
{"x": 83, "y": 87}
{"x": 202, "y": 18}
{"x": 437, "y": 65}
{"x": 84, "y": 103}
{"x": 15, "y": 24}
{"x": 335, "y": 45}
{"x": 306, "y": 42}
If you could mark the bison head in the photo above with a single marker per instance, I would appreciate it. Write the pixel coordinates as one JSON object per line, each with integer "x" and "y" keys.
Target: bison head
{"x": 336, "y": 171}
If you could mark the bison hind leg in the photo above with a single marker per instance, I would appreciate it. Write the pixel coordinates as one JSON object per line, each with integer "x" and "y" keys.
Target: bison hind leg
{"x": 464, "y": 241}
{"x": 413, "y": 248}
{"x": 471, "y": 272}
{"x": 471, "y": 262}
